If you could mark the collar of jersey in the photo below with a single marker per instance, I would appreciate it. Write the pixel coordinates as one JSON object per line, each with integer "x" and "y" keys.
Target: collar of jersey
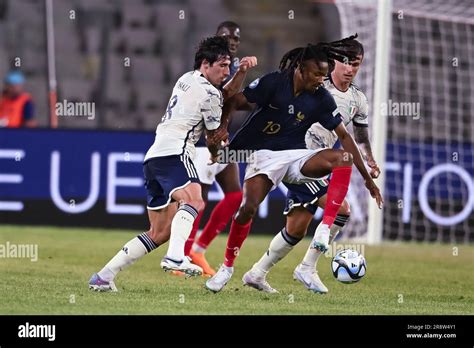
{"x": 198, "y": 73}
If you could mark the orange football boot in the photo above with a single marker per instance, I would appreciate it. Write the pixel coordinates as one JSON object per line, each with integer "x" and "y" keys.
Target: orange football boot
{"x": 200, "y": 260}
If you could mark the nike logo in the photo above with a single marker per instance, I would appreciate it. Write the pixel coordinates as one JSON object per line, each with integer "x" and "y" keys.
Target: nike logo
{"x": 335, "y": 203}
{"x": 273, "y": 107}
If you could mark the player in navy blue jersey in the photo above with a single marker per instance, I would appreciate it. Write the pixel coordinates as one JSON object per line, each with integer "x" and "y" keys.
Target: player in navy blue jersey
{"x": 303, "y": 200}
{"x": 288, "y": 102}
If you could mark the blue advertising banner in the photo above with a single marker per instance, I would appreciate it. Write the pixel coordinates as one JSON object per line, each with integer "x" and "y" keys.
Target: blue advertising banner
{"x": 52, "y": 176}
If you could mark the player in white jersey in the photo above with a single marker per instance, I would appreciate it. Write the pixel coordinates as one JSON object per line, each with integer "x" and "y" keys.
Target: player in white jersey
{"x": 170, "y": 175}
{"x": 303, "y": 200}
{"x": 225, "y": 174}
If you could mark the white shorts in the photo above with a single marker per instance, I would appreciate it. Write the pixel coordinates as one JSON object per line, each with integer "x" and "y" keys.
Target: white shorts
{"x": 281, "y": 166}
{"x": 207, "y": 173}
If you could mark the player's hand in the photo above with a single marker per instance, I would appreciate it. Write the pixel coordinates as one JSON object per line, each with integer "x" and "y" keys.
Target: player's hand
{"x": 215, "y": 141}
{"x": 374, "y": 192}
{"x": 212, "y": 159}
{"x": 374, "y": 169}
{"x": 247, "y": 63}
{"x": 218, "y": 136}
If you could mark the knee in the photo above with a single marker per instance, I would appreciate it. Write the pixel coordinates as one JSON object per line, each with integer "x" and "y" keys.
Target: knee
{"x": 248, "y": 209}
{"x": 345, "y": 209}
{"x": 343, "y": 158}
{"x": 197, "y": 204}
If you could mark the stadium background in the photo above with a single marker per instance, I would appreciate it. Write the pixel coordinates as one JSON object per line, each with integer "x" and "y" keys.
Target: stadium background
{"x": 124, "y": 57}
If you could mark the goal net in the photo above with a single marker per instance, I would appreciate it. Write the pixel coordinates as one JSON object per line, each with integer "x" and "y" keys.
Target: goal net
{"x": 429, "y": 189}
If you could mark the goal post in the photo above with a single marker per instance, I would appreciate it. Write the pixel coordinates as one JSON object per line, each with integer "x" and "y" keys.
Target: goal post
{"x": 379, "y": 120}
{"x": 417, "y": 74}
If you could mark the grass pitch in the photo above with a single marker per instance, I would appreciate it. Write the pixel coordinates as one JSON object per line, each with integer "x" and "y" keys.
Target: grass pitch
{"x": 402, "y": 278}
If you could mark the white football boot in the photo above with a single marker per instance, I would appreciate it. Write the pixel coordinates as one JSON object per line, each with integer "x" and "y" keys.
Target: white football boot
{"x": 257, "y": 281}
{"x": 185, "y": 266}
{"x": 310, "y": 279}
{"x": 96, "y": 283}
{"x": 217, "y": 282}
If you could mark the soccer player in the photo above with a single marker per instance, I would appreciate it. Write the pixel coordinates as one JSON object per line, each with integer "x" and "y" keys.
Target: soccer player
{"x": 226, "y": 175}
{"x": 170, "y": 176}
{"x": 289, "y": 101}
{"x": 303, "y": 200}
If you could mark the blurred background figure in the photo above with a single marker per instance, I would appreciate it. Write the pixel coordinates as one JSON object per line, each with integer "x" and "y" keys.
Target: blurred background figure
{"x": 16, "y": 106}
{"x": 232, "y": 31}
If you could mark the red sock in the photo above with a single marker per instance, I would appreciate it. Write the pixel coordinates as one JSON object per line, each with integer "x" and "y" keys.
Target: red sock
{"x": 337, "y": 190}
{"x": 238, "y": 233}
{"x": 220, "y": 216}
{"x": 190, "y": 241}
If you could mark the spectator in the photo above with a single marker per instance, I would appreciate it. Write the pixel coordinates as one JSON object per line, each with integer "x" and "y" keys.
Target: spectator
{"x": 16, "y": 106}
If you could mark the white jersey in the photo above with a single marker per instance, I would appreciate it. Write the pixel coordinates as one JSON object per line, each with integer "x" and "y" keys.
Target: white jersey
{"x": 195, "y": 104}
{"x": 353, "y": 107}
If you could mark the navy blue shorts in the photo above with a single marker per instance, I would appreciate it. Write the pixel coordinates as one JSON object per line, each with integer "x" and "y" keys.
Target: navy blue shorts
{"x": 164, "y": 175}
{"x": 305, "y": 195}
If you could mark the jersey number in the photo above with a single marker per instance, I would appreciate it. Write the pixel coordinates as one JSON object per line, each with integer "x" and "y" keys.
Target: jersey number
{"x": 171, "y": 105}
{"x": 271, "y": 128}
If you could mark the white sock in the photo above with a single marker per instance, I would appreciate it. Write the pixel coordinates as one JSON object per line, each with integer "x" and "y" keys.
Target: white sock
{"x": 132, "y": 251}
{"x": 311, "y": 257}
{"x": 181, "y": 227}
{"x": 279, "y": 247}
{"x": 198, "y": 249}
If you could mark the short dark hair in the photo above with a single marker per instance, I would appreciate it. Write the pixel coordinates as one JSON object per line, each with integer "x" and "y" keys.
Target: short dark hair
{"x": 227, "y": 24}
{"x": 211, "y": 49}
{"x": 354, "y": 47}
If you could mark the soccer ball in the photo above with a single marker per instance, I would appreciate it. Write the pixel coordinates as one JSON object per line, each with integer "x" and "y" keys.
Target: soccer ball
{"x": 348, "y": 266}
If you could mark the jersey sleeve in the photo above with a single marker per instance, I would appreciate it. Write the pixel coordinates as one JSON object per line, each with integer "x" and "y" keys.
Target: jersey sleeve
{"x": 261, "y": 90}
{"x": 211, "y": 109}
{"x": 361, "y": 118}
{"x": 329, "y": 115}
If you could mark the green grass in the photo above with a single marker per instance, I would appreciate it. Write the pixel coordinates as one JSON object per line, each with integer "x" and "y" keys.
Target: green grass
{"x": 429, "y": 277}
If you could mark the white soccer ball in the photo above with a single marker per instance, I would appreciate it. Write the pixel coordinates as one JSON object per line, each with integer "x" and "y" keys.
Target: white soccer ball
{"x": 348, "y": 266}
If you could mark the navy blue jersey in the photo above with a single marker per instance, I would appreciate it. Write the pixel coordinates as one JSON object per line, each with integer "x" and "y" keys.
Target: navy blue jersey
{"x": 281, "y": 119}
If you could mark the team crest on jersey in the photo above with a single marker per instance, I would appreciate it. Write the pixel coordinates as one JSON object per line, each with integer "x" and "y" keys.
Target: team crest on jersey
{"x": 299, "y": 117}
{"x": 254, "y": 83}
{"x": 352, "y": 108}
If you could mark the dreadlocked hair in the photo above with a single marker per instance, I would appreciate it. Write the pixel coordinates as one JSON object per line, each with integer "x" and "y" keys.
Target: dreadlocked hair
{"x": 341, "y": 50}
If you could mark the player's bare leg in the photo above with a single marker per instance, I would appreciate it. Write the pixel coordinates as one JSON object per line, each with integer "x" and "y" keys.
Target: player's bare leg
{"x": 254, "y": 192}
{"x": 190, "y": 203}
{"x": 229, "y": 181}
{"x": 189, "y": 243}
{"x": 136, "y": 248}
{"x": 297, "y": 223}
{"x": 306, "y": 271}
{"x": 339, "y": 163}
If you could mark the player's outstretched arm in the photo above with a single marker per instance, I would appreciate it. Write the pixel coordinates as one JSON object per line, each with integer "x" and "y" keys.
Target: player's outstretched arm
{"x": 235, "y": 84}
{"x": 350, "y": 146}
{"x": 361, "y": 136}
